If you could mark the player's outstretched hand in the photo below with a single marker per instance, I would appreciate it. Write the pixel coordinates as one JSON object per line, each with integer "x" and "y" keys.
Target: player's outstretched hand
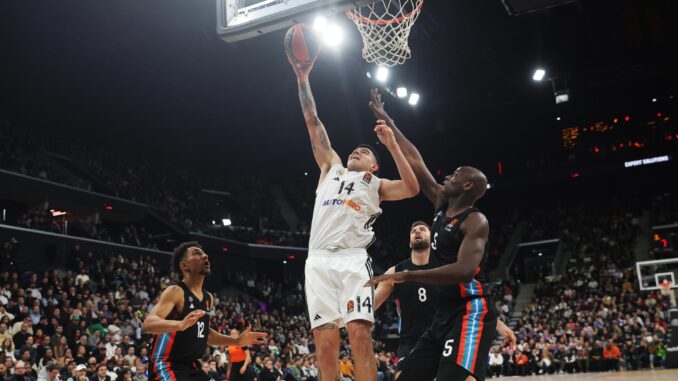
{"x": 504, "y": 330}
{"x": 398, "y": 277}
{"x": 247, "y": 337}
{"x": 191, "y": 319}
{"x": 377, "y": 106}
{"x": 385, "y": 134}
{"x": 301, "y": 70}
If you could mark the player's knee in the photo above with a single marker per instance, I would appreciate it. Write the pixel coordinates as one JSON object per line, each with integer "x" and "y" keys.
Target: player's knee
{"x": 360, "y": 334}
{"x": 327, "y": 350}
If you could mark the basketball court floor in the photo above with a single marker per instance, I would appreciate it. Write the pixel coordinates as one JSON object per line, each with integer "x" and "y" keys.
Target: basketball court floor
{"x": 641, "y": 375}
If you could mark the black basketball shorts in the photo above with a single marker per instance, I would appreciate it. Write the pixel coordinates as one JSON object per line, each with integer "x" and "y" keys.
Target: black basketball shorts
{"x": 455, "y": 346}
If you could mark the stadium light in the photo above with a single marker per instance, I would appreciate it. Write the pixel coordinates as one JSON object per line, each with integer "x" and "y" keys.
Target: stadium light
{"x": 333, "y": 35}
{"x": 382, "y": 74}
{"x": 414, "y": 99}
{"x": 654, "y": 100}
{"x": 226, "y": 222}
{"x": 402, "y": 92}
{"x": 557, "y": 118}
{"x": 539, "y": 74}
{"x": 320, "y": 24}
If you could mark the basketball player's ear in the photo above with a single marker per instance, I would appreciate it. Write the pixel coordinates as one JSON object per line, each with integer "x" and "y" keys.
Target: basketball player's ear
{"x": 374, "y": 168}
{"x": 468, "y": 186}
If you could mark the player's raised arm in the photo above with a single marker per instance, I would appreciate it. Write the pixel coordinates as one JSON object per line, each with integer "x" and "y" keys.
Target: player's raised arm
{"x": 407, "y": 186}
{"x": 428, "y": 184}
{"x": 476, "y": 230}
{"x": 157, "y": 323}
{"x": 320, "y": 142}
{"x": 383, "y": 291}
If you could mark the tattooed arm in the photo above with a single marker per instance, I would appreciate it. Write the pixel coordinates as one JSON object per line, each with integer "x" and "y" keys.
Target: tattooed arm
{"x": 320, "y": 142}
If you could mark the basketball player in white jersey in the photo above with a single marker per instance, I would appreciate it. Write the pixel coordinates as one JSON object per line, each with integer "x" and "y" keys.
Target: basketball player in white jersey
{"x": 347, "y": 203}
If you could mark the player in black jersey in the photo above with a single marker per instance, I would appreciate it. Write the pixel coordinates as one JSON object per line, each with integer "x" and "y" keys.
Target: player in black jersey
{"x": 415, "y": 301}
{"x": 456, "y": 346}
{"x": 181, "y": 323}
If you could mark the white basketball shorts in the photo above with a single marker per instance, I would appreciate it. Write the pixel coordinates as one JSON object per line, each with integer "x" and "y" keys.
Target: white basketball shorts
{"x": 334, "y": 287}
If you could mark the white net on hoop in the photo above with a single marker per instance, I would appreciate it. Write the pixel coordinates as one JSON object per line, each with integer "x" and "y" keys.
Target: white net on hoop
{"x": 385, "y": 28}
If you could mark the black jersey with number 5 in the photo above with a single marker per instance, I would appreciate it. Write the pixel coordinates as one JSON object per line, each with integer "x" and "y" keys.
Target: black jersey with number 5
{"x": 183, "y": 347}
{"x": 416, "y": 303}
{"x": 445, "y": 245}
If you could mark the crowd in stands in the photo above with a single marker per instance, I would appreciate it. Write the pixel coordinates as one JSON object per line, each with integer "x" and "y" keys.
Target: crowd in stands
{"x": 179, "y": 194}
{"x": 85, "y": 319}
{"x": 91, "y": 315}
{"x": 75, "y": 323}
{"x": 88, "y": 319}
{"x": 593, "y": 317}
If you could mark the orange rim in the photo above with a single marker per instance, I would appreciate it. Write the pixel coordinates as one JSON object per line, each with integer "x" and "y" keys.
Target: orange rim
{"x": 364, "y": 20}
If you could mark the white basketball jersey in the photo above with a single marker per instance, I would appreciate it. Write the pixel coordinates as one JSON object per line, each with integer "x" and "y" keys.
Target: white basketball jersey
{"x": 346, "y": 206}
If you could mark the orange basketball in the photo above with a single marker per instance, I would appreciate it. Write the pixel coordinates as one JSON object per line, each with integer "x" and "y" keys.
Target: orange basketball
{"x": 302, "y": 44}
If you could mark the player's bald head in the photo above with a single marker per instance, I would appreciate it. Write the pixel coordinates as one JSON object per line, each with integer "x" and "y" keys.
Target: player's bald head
{"x": 478, "y": 180}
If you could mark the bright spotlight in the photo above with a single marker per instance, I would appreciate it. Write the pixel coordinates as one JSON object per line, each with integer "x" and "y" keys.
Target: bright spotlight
{"x": 401, "y": 92}
{"x": 654, "y": 100}
{"x": 414, "y": 99}
{"x": 382, "y": 74}
{"x": 333, "y": 35}
{"x": 539, "y": 74}
{"x": 557, "y": 118}
{"x": 320, "y": 24}
{"x": 226, "y": 222}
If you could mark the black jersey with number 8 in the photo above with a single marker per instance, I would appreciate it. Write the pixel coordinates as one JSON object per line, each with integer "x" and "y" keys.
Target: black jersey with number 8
{"x": 416, "y": 303}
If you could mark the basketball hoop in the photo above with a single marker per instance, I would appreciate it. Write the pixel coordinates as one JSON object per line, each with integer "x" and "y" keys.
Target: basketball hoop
{"x": 385, "y": 28}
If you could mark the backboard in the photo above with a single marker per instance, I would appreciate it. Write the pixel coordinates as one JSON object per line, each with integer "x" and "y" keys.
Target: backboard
{"x": 243, "y": 19}
{"x": 652, "y": 273}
